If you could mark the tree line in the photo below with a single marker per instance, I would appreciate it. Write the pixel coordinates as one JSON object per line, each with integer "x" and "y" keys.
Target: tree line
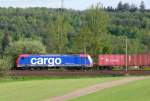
{"x": 65, "y": 31}
{"x": 127, "y": 7}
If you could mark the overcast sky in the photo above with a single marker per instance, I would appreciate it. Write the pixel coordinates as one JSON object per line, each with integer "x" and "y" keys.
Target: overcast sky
{"x": 74, "y": 4}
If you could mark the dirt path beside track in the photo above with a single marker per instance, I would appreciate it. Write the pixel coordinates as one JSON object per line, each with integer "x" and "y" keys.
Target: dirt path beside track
{"x": 94, "y": 88}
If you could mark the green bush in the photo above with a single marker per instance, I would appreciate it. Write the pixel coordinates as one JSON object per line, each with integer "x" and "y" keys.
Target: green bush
{"x": 6, "y": 63}
{"x": 26, "y": 46}
{"x": 22, "y": 46}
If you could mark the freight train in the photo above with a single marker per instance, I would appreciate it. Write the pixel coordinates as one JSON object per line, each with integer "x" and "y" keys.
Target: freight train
{"x": 81, "y": 60}
{"x": 54, "y": 60}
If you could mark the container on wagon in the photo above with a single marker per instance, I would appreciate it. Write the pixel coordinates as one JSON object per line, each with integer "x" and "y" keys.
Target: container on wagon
{"x": 111, "y": 60}
{"x": 138, "y": 60}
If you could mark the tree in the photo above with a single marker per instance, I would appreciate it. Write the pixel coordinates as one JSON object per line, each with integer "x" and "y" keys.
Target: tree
{"x": 5, "y": 41}
{"x": 26, "y": 46}
{"x": 126, "y": 7}
{"x": 89, "y": 28}
{"x": 58, "y": 34}
{"x": 82, "y": 40}
{"x": 110, "y": 8}
{"x": 93, "y": 31}
{"x": 120, "y": 6}
{"x": 133, "y": 8}
{"x": 136, "y": 47}
{"x": 22, "y": 46}
{"x": 6, "y": 63}
{"x": 145, "y": 38}
{"x": 142, "y": 6}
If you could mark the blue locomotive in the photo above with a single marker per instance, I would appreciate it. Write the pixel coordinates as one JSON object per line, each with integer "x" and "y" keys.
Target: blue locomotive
{"x": 54, "y": 60}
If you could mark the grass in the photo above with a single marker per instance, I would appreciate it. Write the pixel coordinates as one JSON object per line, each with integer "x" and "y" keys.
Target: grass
{"x": 37, "y": 89}
{"x": 134, "y": 91}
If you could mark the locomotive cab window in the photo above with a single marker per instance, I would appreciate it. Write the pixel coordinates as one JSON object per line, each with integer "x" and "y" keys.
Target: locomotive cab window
{"x": 22, "y": 58}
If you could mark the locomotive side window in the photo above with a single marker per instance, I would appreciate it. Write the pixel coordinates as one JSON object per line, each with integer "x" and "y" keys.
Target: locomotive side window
{"x": 22, "y": 58}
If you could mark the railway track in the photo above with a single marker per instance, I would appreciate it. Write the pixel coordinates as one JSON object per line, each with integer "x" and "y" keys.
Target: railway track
{"x": 75, "y": 73}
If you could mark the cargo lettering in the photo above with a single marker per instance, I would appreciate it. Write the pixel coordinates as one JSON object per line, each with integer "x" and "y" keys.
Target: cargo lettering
{"x": 46, "y": 61}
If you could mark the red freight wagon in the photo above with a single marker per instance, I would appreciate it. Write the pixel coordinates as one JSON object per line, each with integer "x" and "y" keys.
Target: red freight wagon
{"x": 111, "y": 60}
{"x": 139, "y": 60}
